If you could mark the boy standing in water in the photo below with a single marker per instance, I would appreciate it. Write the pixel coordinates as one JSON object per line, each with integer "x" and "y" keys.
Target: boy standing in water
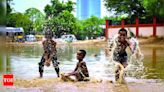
{"x": 80, "y": 72}
{"x": 119, "y": 54}
{"x": 50, "y": 54}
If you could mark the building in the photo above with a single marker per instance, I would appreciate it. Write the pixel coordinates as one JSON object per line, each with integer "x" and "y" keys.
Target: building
{"x": 88, "y": 8}
{"x": 95, "y": 8}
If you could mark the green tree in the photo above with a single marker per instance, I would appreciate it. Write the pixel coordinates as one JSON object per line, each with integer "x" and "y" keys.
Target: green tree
{"x": 9, "y": 9}
{"x": 2, "y": 12}
{"x": 19, "y": 20}
{"x": 63, "y": 23}
{"x": 154, "y": 7}
{"x": 58, "y": 7}
{"x": 133, "y": 8}
{"x": 59, "y": 17}
{"x": 5, "y": 10}
{"x": 37, "y": 18}
{"x": 79, "y": 32}
{"x": 69, "y": 6}
{"x": 92, "y": 27}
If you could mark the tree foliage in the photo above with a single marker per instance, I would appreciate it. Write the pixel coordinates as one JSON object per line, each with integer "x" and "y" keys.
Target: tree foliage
{"x": 36, "y": 17}
{"x": 136, "y": 8}
{"x": 2, "y": 12}
{"x": 154, "y": 7}
{"x": 90, "y": 28}
{"x": 130, "y": 7}
{"x": 64, "y": 23}
{"x": 57, "y": 7}
{"x": 8, "y": 4}
{"x": 59, "y": 17}
{"x": 18, "y": 20}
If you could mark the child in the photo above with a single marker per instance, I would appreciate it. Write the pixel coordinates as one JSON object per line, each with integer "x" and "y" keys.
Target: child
{"x": 50, "y": 54}
{"x": 81, "y": 71}
{"x": 120, "y": 57}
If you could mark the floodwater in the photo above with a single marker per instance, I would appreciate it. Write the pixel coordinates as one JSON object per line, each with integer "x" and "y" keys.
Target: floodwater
{"x": 22, "y": 61}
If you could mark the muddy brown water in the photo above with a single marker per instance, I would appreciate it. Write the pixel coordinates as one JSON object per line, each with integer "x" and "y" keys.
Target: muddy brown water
{"x": 22, "y": 61}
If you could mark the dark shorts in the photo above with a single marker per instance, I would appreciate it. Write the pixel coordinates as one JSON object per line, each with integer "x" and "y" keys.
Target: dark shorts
{"x": 120, "y": 57}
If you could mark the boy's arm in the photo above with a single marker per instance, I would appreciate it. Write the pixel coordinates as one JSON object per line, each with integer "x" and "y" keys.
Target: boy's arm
{"x": 74, "y": 72}
{"x": 128, "y": 42}
{"x": 129, "y": 45}
{"x": 131, "y": 49}
{"x": 44, "y": 45}
{"x": 114, "y": 44}
{"x": 75, "y": 68}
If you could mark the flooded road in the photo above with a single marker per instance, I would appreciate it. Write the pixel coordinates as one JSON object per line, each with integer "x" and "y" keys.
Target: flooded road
{"x": 22, "y": 61}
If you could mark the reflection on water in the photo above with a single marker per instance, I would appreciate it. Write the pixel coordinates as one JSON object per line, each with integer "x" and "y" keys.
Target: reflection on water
{"x": 22, "y": 61}
{"x": 154, "y": 63}
{"x": 154, "y": 58}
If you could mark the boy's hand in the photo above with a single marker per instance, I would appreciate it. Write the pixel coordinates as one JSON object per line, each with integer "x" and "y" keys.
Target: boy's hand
{"x": 72, "y": 73}
{"x": 68, "y": 74}
{"x": 127, "y": 40}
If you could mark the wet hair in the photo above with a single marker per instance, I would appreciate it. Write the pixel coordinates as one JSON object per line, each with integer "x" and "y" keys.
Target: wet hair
{"x": 122, "y": 30}
{"x": 83, "y": 52}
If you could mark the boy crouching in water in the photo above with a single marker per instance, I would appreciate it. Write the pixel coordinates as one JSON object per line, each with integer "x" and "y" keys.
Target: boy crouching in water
{"x": 80, "y": 72}
{"x": 49, "y": 55}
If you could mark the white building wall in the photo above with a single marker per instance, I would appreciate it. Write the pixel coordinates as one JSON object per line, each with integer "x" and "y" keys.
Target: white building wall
{"x": 143, "y": 31}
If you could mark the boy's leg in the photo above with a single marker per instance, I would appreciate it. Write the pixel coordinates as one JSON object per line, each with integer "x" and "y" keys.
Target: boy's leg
{"x": 64, "y": 77}
{"x": 121, "y": 73}
{"x": 56, "y": 65}
{"x": 41, "y": 66}
{"x": 125, "y": 64}
{"x": 117, "y": 68}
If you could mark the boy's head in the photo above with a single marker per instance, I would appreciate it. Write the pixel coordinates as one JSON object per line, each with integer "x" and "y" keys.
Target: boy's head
{"x": 48, "y": 34}
{"x": 81, "y": 54}
{"x": 122, "y": 34}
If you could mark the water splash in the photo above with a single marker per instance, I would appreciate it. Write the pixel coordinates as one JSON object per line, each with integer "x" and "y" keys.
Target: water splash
{"x": 135, "y": 66}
